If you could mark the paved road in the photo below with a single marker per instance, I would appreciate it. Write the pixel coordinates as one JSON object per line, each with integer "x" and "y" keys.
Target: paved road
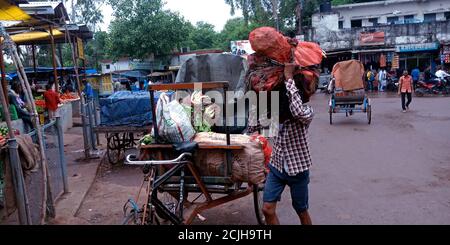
{"x": 395, "y": 171}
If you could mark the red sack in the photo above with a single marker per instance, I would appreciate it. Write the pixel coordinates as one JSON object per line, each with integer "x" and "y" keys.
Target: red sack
{"x": 266, "y": 147}
{"x": 269, "y": 42}
{"x": 269, "y": 45}
{"x": 263, "y": 76}
{"x": 308, "y": 54}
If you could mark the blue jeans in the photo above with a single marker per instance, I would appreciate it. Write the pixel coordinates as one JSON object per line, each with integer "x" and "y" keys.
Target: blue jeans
{"x": 277, "y": 181}
{"x": 370, "y": 85}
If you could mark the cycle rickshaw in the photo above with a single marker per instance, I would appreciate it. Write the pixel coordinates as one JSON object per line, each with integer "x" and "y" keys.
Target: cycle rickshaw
{"x": 347, "y": 90}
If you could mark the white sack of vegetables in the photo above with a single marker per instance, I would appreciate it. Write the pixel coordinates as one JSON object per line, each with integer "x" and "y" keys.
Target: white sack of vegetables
{"x": 174, "y": 124}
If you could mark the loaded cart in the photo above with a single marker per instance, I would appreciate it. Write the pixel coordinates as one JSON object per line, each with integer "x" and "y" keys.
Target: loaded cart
{"x": 124, "y": 118}
{"x": 347, "y": 90}
{"x": 179, "y": 190}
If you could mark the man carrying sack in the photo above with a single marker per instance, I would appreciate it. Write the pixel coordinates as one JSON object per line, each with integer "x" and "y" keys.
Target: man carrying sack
{"x": 295, "y": 80}
{"x": 291, "y": 158}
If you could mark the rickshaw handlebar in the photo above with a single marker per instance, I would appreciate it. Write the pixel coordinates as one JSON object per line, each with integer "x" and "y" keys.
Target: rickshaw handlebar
{"x": 130, "y": 160}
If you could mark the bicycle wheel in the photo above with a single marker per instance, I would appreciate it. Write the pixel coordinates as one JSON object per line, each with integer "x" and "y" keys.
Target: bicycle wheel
{"x": 132, "y": 219}
{"x": 258, "y": 204}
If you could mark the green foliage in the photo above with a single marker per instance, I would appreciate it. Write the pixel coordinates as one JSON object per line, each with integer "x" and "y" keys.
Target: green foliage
{"x": 142, "y": 27}
{"x": 235, "y": 29}
{"x": 201, "y": 36}
{"x": 95, "y": 49}
{"x": 88, "y": 12}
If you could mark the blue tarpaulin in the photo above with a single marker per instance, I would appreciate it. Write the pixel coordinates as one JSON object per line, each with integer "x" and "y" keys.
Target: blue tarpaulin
{"x": 125, "y": 108}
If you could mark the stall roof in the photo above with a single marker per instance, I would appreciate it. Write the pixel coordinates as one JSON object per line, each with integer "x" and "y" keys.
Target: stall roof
{"x": 27, "y": 37}
{"x": 133, "y": 74}
{"x": 50, "y": 69}
{"x": 42, "y": 16}
{"x": 10, "y": 12}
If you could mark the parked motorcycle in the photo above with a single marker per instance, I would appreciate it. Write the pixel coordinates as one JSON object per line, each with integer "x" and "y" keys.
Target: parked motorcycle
{"x": 392, "y": 84}
{"x": 433, "y": 86}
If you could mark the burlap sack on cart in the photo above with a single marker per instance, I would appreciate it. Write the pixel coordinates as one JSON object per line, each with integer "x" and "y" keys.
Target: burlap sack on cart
{"x": 247, "y": 166}
{"x": 349, "y": 75}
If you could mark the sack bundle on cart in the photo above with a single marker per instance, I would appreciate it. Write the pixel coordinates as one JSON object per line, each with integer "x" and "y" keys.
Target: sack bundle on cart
{"x": 347, "y": 90}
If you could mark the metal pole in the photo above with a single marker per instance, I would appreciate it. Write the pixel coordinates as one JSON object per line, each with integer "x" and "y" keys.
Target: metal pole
{"x": 33, "y": 49}
{"x": 96, "y": 121}
{"x": 47, "y": 200}
{"x": 82, "y": 100}
{"x": 91, "y": 123}
{"x": 62, "y": 159}
{"x": 60, "y": 55}
{"x": 55, "y": 72}
{"x": 14, "y": 159}
{"x": 3, "y": 70}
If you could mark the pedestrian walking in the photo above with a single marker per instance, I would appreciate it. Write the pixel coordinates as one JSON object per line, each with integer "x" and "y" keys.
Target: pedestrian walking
{"x": 405, "y": 88}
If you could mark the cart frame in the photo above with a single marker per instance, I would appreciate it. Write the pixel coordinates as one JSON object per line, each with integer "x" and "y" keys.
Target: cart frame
{"x": 176, "y": 180}
{"x": 349, "y": 107}
{"x": 119, "y": 139}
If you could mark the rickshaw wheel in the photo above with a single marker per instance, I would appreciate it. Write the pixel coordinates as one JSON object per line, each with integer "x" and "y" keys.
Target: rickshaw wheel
{"x": 369, "y": 114}
{"x": 258, "y": 204}
{"x": 114, "y": 150}
{"x": 114, "y": 156}
{"x": 331, "y": 115}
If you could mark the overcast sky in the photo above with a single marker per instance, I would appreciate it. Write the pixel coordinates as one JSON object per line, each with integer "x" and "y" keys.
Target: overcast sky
{"x": 215, "y": 12}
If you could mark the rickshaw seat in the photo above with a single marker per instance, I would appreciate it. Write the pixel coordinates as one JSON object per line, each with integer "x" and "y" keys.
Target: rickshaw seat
{"x": 185, "y": 147}
{"x": 359, "y": 98}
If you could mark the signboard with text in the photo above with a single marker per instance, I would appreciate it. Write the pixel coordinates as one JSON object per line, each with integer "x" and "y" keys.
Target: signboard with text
{"x": 371, "y": 38}
{"x": 416, "y": 47}
{"x": 241, "y": 47}
{"x": 80, "y": 48}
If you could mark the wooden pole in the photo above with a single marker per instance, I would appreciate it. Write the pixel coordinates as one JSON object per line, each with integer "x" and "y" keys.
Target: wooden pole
{"x": 55, "y": 72}
{"x": 3, "y": 70}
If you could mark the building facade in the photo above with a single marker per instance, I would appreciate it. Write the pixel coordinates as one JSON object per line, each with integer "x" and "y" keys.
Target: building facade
{"x": 398, "y": 34}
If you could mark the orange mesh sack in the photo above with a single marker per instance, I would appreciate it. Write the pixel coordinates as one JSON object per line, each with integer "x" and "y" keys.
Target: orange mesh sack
{"x": 308, "y": 54}
{"x": 269, "y": 42}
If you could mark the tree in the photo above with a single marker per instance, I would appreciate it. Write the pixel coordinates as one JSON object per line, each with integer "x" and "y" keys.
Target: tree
{"x": 252, "y": 10}
{"x": 88, "y": 12}
{"x": 235, "y": 29}
{"x": 142, "y": 28}
{"x": 95, "y": 49}
{"x": 202, "y": 36}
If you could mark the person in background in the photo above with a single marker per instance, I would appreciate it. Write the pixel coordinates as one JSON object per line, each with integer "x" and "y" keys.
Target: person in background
{"x": 415, "y": 73}
{"x": 117, "y": 86}
{"x": 22, "y": 112}
{"x": 405, "y": 88}
{"x": 88, "y": 90}
{"x": 370, "y": 79}
{"x": 52, "y": 100}
{"x": 69, "y": 85}
{"x": 382, "y": 77}
{"x": 441, "y": 74}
